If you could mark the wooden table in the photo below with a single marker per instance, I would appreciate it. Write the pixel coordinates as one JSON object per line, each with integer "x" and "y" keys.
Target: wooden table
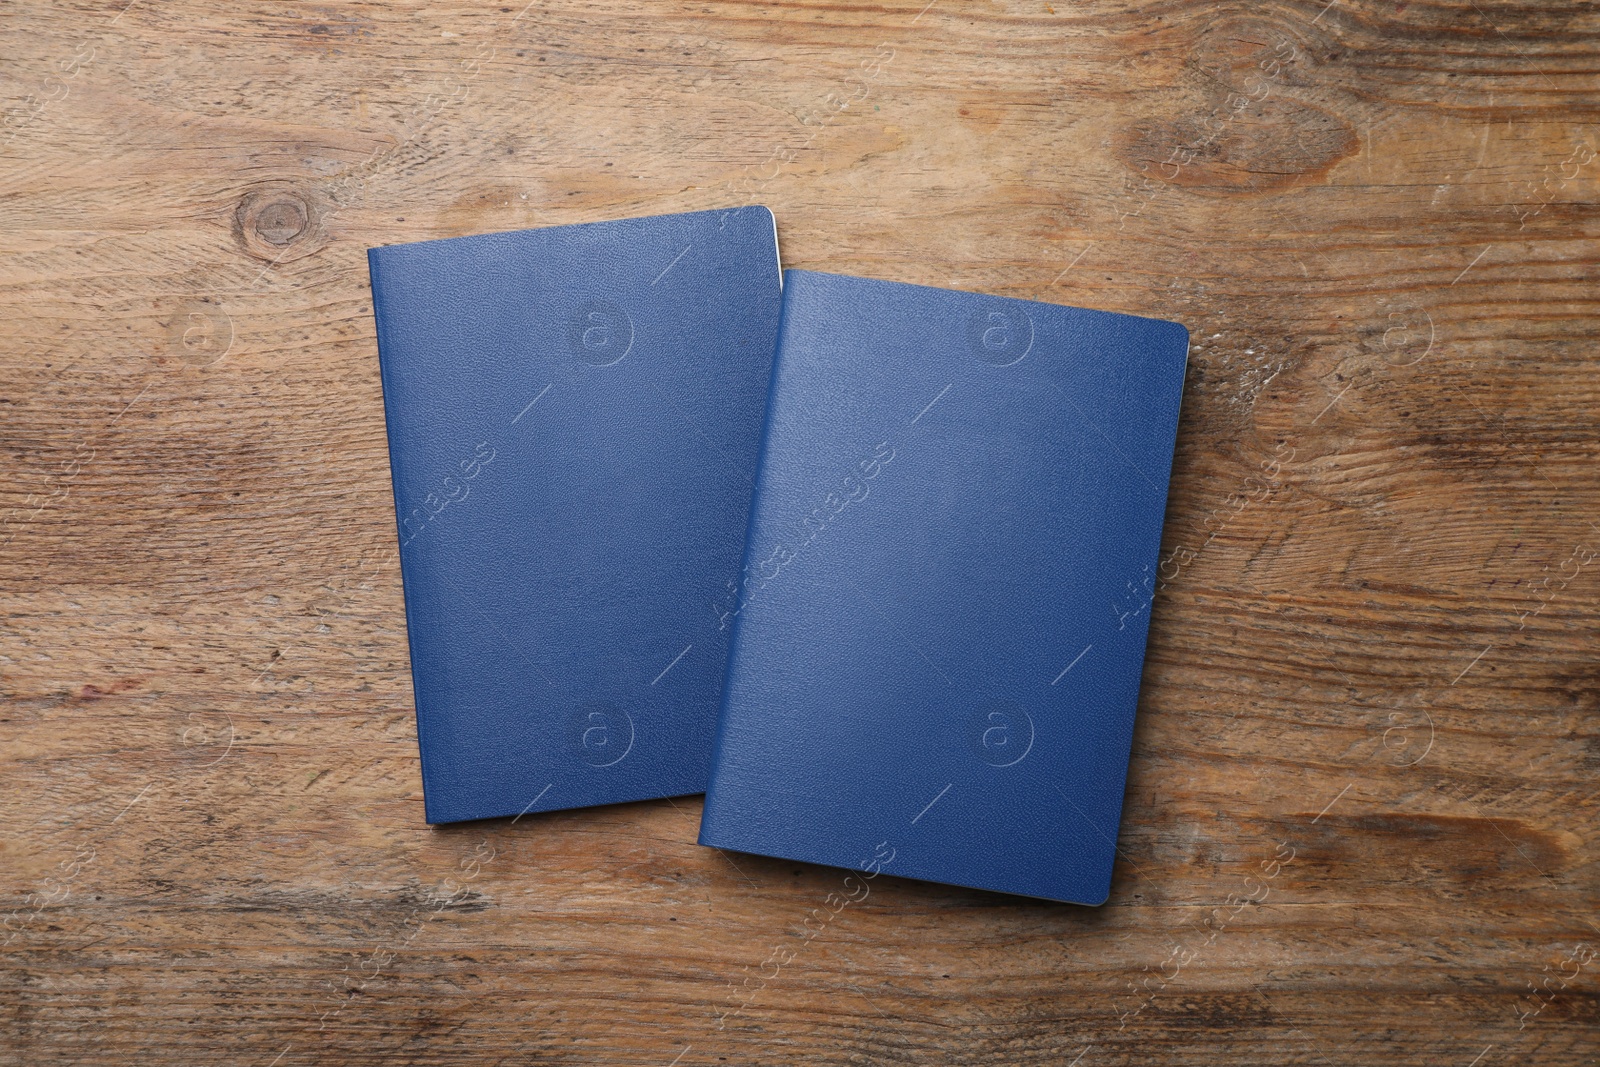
{"x": 1361, "y": 820}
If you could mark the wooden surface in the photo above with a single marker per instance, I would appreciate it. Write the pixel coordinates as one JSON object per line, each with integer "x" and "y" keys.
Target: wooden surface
{"x": 1361, "y": 819}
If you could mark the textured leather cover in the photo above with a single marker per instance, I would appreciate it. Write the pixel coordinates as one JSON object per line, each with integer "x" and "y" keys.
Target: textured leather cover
{"x": 941, "y": 621}
{"x": 574, "y": 416}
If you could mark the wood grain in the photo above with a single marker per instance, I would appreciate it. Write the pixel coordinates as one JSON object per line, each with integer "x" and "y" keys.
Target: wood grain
{"x": 1360, "y": 825}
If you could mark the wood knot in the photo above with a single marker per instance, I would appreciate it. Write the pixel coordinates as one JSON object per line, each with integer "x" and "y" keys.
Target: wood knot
{"x": 1238, "y": 146}
{"x": 1243, "y": 126}
{"x": 278, "y": 223}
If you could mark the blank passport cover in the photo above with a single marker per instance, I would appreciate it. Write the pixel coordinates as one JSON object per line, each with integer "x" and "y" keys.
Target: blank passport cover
{"x": 574, "y": 416}
{"x": 940, "y": 624}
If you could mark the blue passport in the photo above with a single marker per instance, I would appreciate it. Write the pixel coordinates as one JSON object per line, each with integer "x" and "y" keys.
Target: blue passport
{"x": 574, "y": 416}
{"x": 939, "y": 628}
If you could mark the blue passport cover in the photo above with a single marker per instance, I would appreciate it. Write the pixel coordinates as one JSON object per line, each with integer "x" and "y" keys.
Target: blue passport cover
{"x": 574, "y": 416}
{"x": 940, "y": 624}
